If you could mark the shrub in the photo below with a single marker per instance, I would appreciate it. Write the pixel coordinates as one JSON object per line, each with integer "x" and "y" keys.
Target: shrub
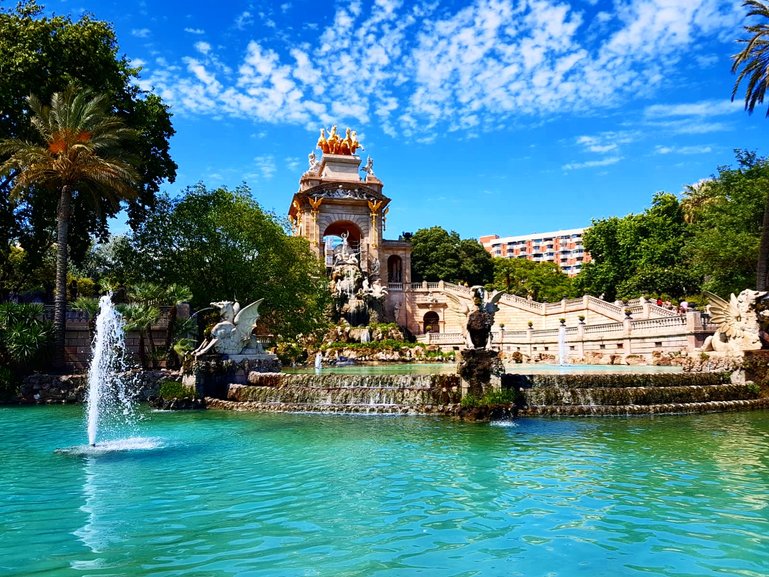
{"x": 174, "y": 390}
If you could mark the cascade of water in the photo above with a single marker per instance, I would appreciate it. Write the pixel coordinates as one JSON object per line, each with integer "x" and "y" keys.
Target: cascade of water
{"x": 108, "y": 397}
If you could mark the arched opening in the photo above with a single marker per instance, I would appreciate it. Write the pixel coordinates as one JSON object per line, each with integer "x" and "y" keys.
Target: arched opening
{"x": 431, "y": 322}
{"x": 394, "y": 269}
{"x": 340, "y": 240}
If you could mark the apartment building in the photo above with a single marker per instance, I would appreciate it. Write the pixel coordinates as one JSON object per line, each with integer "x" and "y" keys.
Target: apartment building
{"x": 563, "y": 247}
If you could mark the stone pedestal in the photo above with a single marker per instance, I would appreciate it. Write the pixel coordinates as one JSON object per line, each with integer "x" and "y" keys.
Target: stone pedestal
{"x": 211, "y": 376}
{"x": 480, "y": 371}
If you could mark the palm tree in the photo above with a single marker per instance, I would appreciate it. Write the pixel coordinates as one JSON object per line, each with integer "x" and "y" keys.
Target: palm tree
{"x": 141, "y": 317}
{"x": 78, "y": 153}
{"x": 754, "y": 59}
{"x": 174, "y": 295}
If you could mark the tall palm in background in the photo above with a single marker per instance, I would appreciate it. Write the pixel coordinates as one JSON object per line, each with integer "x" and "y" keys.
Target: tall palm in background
{"x": 754, "y": 61}
{"x": 78, "y": 153}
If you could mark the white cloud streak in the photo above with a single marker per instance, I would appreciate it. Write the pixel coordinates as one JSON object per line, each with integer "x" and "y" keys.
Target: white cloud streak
{"x": 419, "y": 68}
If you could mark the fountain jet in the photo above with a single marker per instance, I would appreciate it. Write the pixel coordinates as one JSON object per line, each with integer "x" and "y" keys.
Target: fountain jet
{"x": 108, "y": 396}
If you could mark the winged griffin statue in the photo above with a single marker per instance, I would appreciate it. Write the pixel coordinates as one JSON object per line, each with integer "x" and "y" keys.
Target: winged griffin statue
{"x": 479, "y": 317}
{"x": 232, "y": 335}
{"x": 739, "y": 322}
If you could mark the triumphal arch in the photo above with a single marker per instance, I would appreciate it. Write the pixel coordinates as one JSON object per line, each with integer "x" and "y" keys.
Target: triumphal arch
{"x": 341, "y": 210}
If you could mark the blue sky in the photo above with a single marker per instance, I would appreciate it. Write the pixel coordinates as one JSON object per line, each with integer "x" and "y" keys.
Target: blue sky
{"x": 483, "y": 117}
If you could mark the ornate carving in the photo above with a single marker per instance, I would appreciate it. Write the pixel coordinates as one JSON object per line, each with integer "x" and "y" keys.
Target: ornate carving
{"x": 232, "y": 336}
{"x": 738, "y": 320}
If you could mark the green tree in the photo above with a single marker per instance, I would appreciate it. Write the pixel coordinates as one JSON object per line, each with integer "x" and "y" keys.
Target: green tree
{"x": 639, "y": 254}
{"x": 542, "y": 281}
{"x": 754, "y": 60}
{"x": 44, "y": 55}
{"x": 726, "y": 231}
{"x": 222, "y": 245}
{"x": 440, "y": 255}
{"x": 78, "y": 153}
{"x": 141, "y": 317}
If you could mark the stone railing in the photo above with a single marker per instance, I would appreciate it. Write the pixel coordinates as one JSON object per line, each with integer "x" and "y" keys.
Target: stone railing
{"x": 643, "y": 336}
{"x": 652, "y": 324}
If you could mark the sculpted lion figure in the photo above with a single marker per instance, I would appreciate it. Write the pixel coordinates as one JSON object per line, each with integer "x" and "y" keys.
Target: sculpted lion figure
{"x": 738, "y": 320}
{"x": 232, "y": 335}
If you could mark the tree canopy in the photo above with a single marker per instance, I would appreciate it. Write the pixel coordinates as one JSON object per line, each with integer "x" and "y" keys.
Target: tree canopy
{"x": 639, "y": 254}
{"x": 440, "y": 255}
{"x": 727, "y": 223}
{"x": 80, "y": 154}
{"x": 223, "y": 246}
{"x": 43, "y": 55}
{"x": 542, "y": 281}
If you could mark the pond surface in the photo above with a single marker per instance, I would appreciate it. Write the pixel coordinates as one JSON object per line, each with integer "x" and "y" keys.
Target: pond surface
{"x": 220, "y": 494}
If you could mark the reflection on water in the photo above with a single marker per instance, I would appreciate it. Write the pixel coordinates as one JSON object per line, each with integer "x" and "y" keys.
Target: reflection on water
{"x": 263, "y": 495}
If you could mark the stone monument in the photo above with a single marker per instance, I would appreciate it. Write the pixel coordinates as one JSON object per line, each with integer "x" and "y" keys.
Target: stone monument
{"x": 229, "y": 353}
{"x": 479, "y": 366}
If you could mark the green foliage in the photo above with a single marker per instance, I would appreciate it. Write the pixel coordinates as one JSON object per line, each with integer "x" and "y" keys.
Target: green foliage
{"x": 440, "y": 255}
{"x": 290, "y": 352}
{"x": 754, "y": 58}
{"x": 173, "y": 390}
{"x": 374, "y": 346}
{"x": 43, "y": 55}
{"x": 639, "y": 254}
{"x": 726, "y": 225}
{"x": 24, "y": 338}
{"x": 9, "y": 384}
{"x": 490, "y": 399}
{"x": 542, "y": 281}
{"x": 222, "y": 244}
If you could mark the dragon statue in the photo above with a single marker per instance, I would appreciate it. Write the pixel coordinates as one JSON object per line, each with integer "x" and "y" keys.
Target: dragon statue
{"x": 739, "y": 322}
{"x": 232, "y": 335}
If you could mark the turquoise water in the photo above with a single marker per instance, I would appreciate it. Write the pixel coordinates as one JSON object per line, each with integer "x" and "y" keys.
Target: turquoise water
{"x": 223, "y": 494}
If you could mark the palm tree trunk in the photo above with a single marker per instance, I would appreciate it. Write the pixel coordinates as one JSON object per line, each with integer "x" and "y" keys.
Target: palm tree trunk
{"x": 170, "y": 355}
{"x": 60, "y": 297}
{"x": 763, "y": 251}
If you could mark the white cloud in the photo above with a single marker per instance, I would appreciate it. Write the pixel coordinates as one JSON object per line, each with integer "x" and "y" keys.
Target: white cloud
{"x": 592, "y": 163}
{"x": 683, "y": 149}
{"x": 265, "y": 166}
{"x": 706, "y": 108}
{"x": 140, "y": 32}
{"x": 197, "y": 31}
{"x": 243, "y": 20}
{"x": 203, "y": 47}
{"x": 412, "y": 67}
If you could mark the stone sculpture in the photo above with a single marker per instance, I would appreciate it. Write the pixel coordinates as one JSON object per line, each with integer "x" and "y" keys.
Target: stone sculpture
{"x": 479, "y": 318}
{"x": 739, "y": 322}
{"x": 232, "y": 335}
{"x": 333, "y": 144}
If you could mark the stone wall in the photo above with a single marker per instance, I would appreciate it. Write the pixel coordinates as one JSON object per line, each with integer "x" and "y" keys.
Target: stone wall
{"x": 47, "y": 389}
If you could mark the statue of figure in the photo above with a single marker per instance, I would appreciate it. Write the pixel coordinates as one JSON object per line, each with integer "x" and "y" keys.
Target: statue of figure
{"x": 738, "y": 320}
{"x": 345, "y": 146}
{"x": 355, "y": 144}
{"x": 312, "y": 160}
{"x": 369, "y": 168}
{"x": 233, "y": 333}
{"x": 333, "y": 141}
{"x": 346, "y": 255}
{"x": 378, "y": 291}
{"x": 322, "y": 142}
{"x": 481, "y": 320}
